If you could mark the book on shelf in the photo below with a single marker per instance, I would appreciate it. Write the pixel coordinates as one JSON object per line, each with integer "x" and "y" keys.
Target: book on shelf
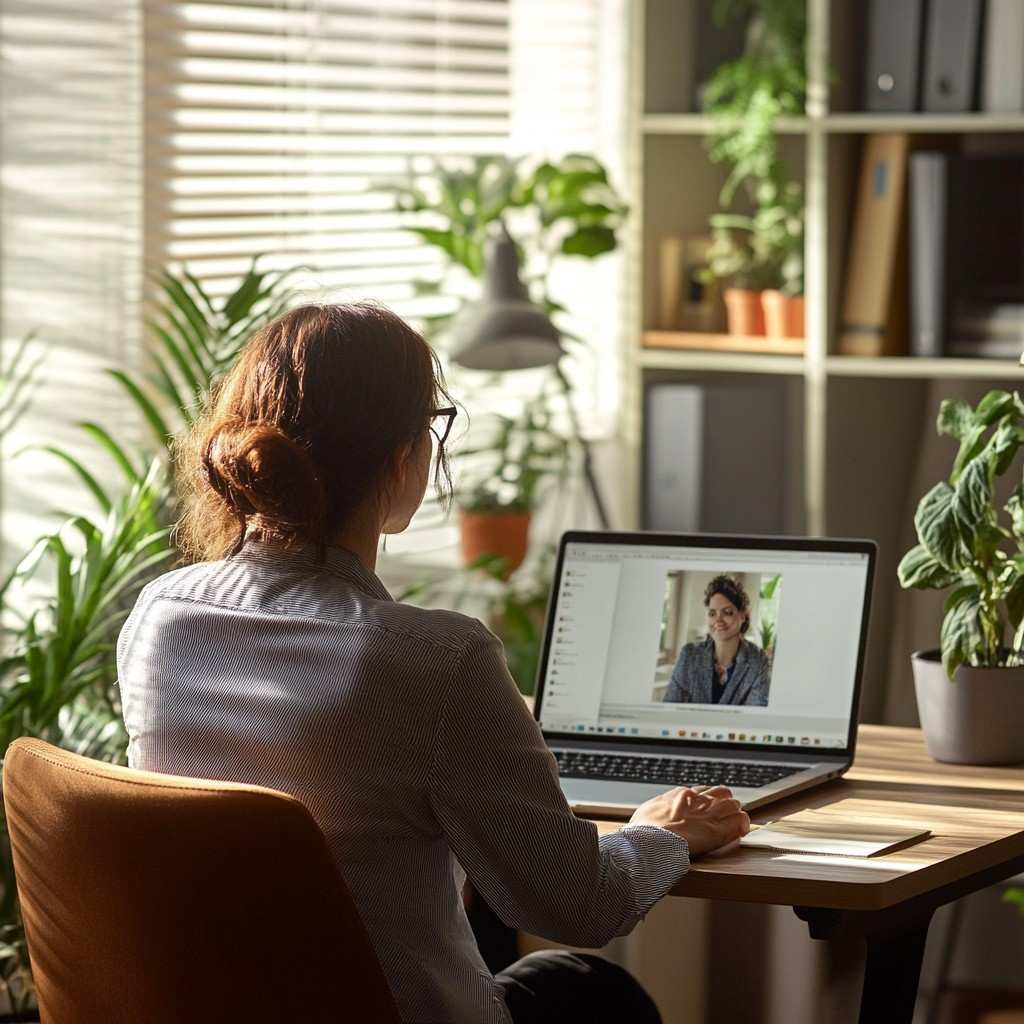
{"x": 874, "y": 315}
{"x": 983, "y": 330}
{"x": 966, "y": 251}
{"x": 1002, "y": 87}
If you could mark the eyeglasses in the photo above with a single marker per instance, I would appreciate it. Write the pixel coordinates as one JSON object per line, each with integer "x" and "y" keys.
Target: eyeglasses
{"x": 441, "y": 421}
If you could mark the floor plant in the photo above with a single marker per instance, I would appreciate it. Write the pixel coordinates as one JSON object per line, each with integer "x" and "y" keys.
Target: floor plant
{"x": 58, "y": 677}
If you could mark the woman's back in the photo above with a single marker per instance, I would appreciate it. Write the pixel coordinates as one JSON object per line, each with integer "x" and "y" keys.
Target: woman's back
{"x": 266, "y": 668}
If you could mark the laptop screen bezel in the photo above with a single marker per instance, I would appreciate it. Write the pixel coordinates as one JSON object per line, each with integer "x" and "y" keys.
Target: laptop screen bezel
{"x": 760, "y": 543}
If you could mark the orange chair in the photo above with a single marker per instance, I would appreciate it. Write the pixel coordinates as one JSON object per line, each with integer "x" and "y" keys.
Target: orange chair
{"x": 154, "y": 899}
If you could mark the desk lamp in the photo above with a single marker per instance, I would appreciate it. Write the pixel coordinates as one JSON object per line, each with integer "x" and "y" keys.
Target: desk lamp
{"x": 504, "y": 330}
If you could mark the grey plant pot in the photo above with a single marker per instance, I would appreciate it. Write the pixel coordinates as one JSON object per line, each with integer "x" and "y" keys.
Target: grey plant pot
{"x": 975, "y": 718}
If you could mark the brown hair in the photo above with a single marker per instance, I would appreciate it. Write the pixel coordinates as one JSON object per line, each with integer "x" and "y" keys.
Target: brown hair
{"x": 733, "y": 591}
{"x": 303, "y": 428}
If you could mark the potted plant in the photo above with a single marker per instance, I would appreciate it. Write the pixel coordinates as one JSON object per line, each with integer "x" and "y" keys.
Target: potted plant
{"x": 779, "y": 236}
{"x": 501, "y": 482}
{"x": 745, "y": 98}
{"x": 762, "y": 258}
{"x": 970, "y": 693}
{"x": 733, "y": 260}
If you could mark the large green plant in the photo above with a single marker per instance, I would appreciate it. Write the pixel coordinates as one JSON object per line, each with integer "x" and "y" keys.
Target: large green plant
{"x": 746, "y": 97}
{"x": 58, "y": 680}
{"x": 567, "y": 208}
{"x": 970, "y": 546}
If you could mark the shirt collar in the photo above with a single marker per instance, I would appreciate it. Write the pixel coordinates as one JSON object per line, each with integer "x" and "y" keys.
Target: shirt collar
{"x": 339, "y": 561}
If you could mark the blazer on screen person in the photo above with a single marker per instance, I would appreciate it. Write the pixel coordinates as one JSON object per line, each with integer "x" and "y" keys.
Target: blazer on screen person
{"x": 724, "y": 668}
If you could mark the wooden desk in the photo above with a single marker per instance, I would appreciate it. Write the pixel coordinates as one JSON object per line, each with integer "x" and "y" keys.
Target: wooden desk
{"x": 976, "y": 816}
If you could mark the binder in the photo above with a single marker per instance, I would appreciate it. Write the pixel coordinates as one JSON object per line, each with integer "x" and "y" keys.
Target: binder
{"x": 929, "y": 248}
{"x": 892, "y": 72}
{"x": 966, "y": 241}
{"x": 874, "y": 318}
{"x": 1002, "y": 63}
{"x": 952, "y": 45}
{"x": 674, "y": 434}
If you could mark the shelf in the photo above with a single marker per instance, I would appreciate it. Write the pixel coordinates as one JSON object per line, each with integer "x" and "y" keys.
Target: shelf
{"x": 910, "y": 367}
{"x": 718, "y": 362}
{"x": 703, "y": 124}
{"x": 727, "y": 344}
{"x": 862, "y": 122}
{"x": 847, "y": 123}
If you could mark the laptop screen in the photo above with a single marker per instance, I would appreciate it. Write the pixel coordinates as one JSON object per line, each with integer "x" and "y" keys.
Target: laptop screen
{"x": 715, "y": 644}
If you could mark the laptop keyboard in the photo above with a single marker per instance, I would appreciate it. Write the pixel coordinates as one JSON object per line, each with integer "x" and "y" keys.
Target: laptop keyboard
{"x": 669, "y": 771}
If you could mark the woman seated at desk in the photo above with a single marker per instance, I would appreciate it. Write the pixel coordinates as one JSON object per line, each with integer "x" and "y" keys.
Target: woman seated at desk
{"x": 280, "y": 659}
{"x": 725, "y": 667}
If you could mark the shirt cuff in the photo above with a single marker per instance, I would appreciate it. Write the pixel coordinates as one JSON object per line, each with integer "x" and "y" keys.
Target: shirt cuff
{"x": 654, "y": 857}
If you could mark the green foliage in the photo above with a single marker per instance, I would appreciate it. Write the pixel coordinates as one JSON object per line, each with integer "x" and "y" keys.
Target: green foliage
{"x": 746, "y": 97}
{"x": 563, "y": 208}
{"x": 58, "y": 681}
{"x": 509, "y": 471}
{"x": 964, "y": 543}
{"x": 767, "y": 620}
{"x": 1015, "y": 895}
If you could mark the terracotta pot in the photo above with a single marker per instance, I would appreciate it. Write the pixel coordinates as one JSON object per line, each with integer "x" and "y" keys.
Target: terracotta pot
{"x": 744, "y": 312}
{"x": 504, "y": 534}
{"x": 976, "y": 717}
{"x": 783, "y": 314}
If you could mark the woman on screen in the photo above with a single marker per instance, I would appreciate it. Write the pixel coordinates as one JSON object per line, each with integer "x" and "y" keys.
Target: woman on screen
{"x": 724, "y": 668}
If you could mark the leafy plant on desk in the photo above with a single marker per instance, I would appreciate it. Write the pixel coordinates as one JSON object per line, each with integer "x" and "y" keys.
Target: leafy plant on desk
{"x": 970, "y": 546}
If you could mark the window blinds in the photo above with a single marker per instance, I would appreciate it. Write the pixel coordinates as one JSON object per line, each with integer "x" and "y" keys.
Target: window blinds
{"x": 271, "y": 124}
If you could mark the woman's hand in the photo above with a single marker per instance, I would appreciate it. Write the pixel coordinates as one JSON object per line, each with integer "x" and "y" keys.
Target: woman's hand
{"x": 707, "y": 817}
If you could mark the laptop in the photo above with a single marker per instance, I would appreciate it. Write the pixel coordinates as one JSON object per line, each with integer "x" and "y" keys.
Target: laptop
{"x": 682, "y": 660}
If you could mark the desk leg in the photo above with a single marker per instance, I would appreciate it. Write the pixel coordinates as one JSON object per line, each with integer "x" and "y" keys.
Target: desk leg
{"x": 892, "y": 970}
{"x": 893, "y": 952}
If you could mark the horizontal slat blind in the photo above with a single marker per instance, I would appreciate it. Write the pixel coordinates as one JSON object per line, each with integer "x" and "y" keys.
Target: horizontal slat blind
{"x": 271, "y": 125}
{"x": 70, "y": 241}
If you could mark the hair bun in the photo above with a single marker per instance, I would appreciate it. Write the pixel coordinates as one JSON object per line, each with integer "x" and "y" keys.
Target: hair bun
{"x": 259, "y": 470}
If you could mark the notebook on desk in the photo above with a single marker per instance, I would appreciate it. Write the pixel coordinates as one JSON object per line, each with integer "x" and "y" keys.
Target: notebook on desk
{"x": 813, "y": 831}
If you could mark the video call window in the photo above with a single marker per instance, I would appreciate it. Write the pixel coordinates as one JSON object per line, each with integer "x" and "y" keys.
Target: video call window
{"x": 718, "y": 638}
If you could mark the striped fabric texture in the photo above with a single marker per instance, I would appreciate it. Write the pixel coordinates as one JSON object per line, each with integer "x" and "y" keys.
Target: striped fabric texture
{"x": 402, "y": 731}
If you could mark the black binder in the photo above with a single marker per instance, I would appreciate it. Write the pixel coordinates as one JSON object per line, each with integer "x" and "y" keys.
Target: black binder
{"x": 966, "y": 242}
{"x": 952, "y": 46}
{"x": 892, "y": 73}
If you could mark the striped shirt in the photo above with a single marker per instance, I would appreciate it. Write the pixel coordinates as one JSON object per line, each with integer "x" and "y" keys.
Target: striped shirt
{"x": 402, "y": 731}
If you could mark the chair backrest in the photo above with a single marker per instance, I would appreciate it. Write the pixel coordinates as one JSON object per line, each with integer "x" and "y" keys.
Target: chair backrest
{"x": 165, "y": 900}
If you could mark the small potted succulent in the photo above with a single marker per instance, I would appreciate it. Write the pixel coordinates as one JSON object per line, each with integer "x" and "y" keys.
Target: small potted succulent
{"x": 970, "y": 694}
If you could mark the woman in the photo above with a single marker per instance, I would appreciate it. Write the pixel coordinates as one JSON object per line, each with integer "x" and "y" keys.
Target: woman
{"x": 724, "y": 668}
{"x": 280, "y": 659}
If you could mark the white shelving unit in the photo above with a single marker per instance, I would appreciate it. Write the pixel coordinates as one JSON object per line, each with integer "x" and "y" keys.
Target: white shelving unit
{"x": 858, "y": 423}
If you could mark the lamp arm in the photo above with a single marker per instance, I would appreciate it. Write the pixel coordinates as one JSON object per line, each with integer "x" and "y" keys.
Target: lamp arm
{"x": 589, "y": 476}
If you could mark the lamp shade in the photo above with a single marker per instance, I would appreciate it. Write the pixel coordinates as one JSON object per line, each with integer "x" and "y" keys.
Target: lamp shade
{"x": 504, "y": 330}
